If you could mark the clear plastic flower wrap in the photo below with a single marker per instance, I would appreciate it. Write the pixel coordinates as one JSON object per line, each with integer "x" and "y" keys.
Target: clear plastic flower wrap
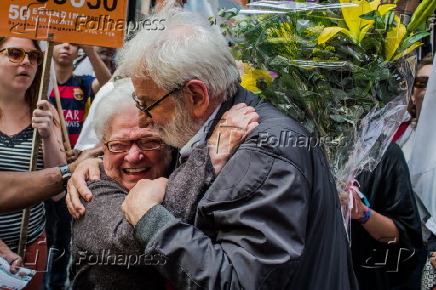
{"x": 344, "y": 70}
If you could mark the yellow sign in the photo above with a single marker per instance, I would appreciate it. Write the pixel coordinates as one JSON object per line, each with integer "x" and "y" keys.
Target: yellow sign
{"x": 93, "y": 22}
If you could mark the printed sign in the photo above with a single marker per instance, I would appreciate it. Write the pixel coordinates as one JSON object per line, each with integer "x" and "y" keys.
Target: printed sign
{"x": 92, "y": 22}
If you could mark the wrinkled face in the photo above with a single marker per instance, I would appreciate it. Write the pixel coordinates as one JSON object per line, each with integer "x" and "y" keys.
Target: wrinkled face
{"x": 17, "y": 76}
{"x": 65, "y": 53}
{"x": 170, "y": 117}
{"x": 418, "y": 93}
{"x": 127, "y": 168}
{"x": 147, "y": 92}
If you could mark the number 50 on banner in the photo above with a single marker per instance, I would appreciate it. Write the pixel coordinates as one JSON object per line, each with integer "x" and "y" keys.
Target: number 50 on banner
{"x": 93, "y": 22}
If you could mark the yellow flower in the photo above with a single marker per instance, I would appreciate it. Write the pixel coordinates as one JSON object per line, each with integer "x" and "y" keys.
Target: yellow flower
{"x": 282, "y": 34}
{"x": 394, "y": 39}
{"x": 250, "y": 77}
{"x": 356, "y": 26}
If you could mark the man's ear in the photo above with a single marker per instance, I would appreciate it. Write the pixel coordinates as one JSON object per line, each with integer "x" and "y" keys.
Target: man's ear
{"x": 196, "y": 98}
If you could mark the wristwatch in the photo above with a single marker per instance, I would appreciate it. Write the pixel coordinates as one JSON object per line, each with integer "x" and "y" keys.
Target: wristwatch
{"x": 65, "y": 172}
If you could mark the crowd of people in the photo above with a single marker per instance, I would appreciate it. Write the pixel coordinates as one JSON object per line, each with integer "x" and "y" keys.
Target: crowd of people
{"x": 177, "y": 192}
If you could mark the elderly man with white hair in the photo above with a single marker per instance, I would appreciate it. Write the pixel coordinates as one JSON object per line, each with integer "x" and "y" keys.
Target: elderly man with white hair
{"x": 271, "y": 219}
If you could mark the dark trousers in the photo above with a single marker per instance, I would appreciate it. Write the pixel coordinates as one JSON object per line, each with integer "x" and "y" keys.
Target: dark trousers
{"x": 58, "y": 230}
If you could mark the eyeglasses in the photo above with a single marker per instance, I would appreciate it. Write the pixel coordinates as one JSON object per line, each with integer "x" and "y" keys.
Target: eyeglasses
{"x": 17, "y": 55}
{"x": 420, "y": 82}
{"x": 146, "y": 109}
{"x": 145, "y": 144}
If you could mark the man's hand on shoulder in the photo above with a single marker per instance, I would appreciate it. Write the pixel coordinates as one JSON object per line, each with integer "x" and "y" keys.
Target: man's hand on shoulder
{"x": 142, "y": 197}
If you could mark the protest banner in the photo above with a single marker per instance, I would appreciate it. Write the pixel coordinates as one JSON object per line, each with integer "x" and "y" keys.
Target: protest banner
{"x": 92, "y": 22}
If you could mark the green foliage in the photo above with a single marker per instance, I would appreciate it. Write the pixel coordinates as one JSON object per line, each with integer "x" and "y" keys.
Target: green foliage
{"x": 328, "y": 87}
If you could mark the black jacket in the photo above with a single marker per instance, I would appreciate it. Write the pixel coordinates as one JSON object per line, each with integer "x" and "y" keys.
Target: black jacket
{"x": 270, "y": 220}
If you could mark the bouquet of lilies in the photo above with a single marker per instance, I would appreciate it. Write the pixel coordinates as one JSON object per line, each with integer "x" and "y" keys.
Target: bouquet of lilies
{"x": 343, "y": 69}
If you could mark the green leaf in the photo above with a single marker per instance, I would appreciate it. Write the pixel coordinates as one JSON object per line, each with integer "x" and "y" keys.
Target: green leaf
{"x": 422, "y": 12}
{"x": 233, "y": 10}
{"x": 327, "y": 87}
{"x": 339, "y": 94}
{"x": 409, "y": 41}
{"x": 222, "y": 12}
{"x": 372, "y": 15}
{"x": 338, "y": 118}
{"x": 389, "y": 19}
{"x": 328, "y": 33}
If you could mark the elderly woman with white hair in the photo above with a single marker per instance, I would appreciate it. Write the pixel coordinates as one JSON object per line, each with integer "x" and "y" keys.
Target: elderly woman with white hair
{"x": 105, "y": 253}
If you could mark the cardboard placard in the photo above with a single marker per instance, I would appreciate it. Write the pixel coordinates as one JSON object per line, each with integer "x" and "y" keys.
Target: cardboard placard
{"x": 92, "y": 22}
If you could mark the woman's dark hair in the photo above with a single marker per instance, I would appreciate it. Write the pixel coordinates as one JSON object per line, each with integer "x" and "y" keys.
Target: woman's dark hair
{"x": 31, "y": 95}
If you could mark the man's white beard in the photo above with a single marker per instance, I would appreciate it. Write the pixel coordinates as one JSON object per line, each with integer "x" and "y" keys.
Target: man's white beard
{"x": 180, "y": 129}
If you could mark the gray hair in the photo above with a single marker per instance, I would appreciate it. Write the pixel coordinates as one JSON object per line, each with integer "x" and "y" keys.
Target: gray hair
{"x": 188, "y": 48}
{"x": 111, "y": 104}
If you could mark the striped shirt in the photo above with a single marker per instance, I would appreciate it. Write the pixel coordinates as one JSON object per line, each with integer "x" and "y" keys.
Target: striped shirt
{"x": 15, "y": 156}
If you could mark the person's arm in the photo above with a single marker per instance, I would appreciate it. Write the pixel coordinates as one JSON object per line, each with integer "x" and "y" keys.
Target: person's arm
{"x": 102, "y": 73}
{"x": 24, "y": 189}
{"x": 396, "y": 217}
{"x": 259, "y": 228}
{"x": 382, "y": 228}
{"x": 43, "y": 119}
{"x": 378, "y": 226}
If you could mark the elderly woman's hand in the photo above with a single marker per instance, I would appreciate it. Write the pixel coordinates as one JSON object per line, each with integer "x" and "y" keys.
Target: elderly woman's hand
{"x": 43, "y": 119}
{"x": 235, "y": 125}
{"x": 76, "y": 187}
